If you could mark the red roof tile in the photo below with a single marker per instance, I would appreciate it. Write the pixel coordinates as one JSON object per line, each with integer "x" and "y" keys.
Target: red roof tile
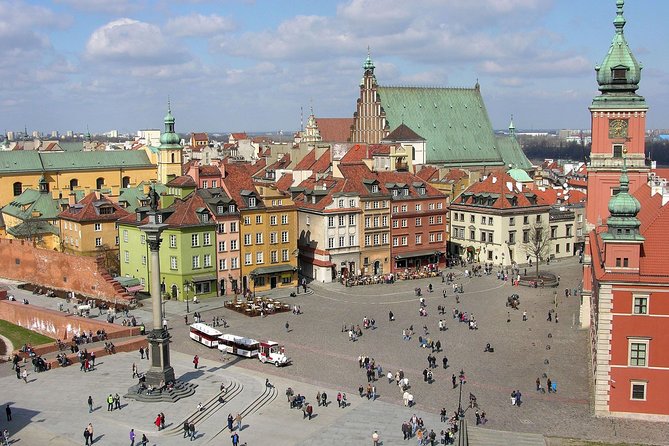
{"x": 356, "y": 154}
{"x": 306, "y": 162}
{"x": 240, "y": 135}
{"x": 428, "y": 173}
{"x": 334, "y": 129}
{"x": 209, "y": 171}
{"x": 285, "y": 182}
{"x": 323, "y": 163}
{"x": 182, "y": 181}
{"x": 504, "y": 188}
{"x": 88, "y": 210}
{"x": 237, "y": 178}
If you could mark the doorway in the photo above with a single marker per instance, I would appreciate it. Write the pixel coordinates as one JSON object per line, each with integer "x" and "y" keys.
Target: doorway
{"x": 175, "y": 292}
{"x": 377, "y": 268}
{"x": 272, "y": 282}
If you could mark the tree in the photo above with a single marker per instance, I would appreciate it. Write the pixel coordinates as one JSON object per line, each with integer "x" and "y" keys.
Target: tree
{"x": 111, "y": 260}
{"x": 538, "y": 244}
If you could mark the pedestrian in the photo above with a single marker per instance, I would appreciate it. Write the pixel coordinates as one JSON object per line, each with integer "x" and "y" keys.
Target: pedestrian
{"x": 230, "y": 420}
{"x": 453, "y": 379}
{"x": 145, "y": 440}
{"x": 538, "y": 384}
{"x": 89, "y": 428}
{"x": 556, "y": 318}
{"x": 87, "y": 437}
{"x": 162, "y": 420}
{"x": 324, "y": 399}
{"x": 24, "y": 375}
{"x": 318, "y": 398}
{"x": 478, "y": 417}
{"x": 165, "y": 324}
{"x": 134, "y": 371}
{"x": 132, "y": 437}
{"x": 518, "y": 401}
{"x": 550, "y": 316}
{"x": 549, "y": 385}
{"x": 185, "y": 428}
{"x": 445, "y": 362}
{"x": 110, "y": 403}
{"x": 8, "y": 411}
{"x": 310, "y": 410}
{"x": 287, "y": 327}
{"x": 92, "y": 360}
{"x": 196, "y": 360}
{"x": 339, "y": 399}
{"x": 117, "y": 401}
{"x": 524, "y": 316}
{"x": 186, "y": 319}
{"x": 90, "y": 404}
{"x": 5, "y": 437}
{"x": 191, "y": 429}
{"x": 141, "y": 352}
{"x": 442, "y": 415}
{"x": 18, "y": 371}
{"x": 157, "y": 421}
{"x": 235, "y": 439}
{"x": 375, "y": 438}
{"x": 238, "y": 421}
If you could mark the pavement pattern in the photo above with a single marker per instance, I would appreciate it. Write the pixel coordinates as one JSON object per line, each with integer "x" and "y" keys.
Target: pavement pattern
{"x": 324, "y": 359}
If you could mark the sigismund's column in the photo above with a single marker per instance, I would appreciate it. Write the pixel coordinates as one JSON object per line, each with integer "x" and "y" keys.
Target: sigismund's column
{"x": 159, "y": 338}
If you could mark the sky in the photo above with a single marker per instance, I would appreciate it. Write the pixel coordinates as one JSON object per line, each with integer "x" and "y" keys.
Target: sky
{"x": 253, "y": 65}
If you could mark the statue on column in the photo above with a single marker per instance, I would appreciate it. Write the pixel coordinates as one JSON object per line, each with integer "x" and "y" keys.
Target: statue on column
{"x": 153, "y": 199}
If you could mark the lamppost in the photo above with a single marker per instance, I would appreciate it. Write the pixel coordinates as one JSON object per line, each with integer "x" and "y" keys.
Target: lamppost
{"x": 188, "y": 286}
{"x": 461, "y": 413}
{"x": 253, "y": 278}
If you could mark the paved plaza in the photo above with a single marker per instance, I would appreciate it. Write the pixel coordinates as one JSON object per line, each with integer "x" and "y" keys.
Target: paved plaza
{"x": 52, "y": 406}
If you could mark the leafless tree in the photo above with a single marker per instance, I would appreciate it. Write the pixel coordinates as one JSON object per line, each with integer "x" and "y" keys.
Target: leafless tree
{"x": 538, "y": 244}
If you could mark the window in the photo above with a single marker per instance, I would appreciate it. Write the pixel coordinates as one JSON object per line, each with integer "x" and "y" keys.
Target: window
{"x": 205, "y": 183}
{"x": 195, "y": 240}
{"x": 222, "y": 264}
{"x": 351, "y": 203}
{"x": 440, "y": 236}
{"x": 247, "y": 221}
{"x": 252, "y": 202}
{"x": 233, "y": 245}
{"x": 375, "y": 188}
{"x": 259, "y": 258}
{"x": 284, "y": 219}
{"x": 482, "y": 219}
{"x": 368, "y": 222}
{"x": 258, "y": 219}
{"x": 376, "y": 221}
{"x": 419, "y": 207}
{"x": 384, "y": 238}
{"x": 568, "y": 248}
{"x": 396, "y": 224}
{"x": 638, "y": 352}
{"x": 395, "y": 209}
{"x": 430, "y": 206}
{"x": 538, "y": 218}
{"x": 512, "y": 237}
{"x": 247, "y": 259}
{"x": 404, "y": 222}
{"x": 472, "y": 234}
{"x": 17, "y": 188}
{"x": 142, "y": 239}
{"x": 431, "y": 220}
{"x": 471, "y": 218}
{"x": 490, "y": 221}
{"x": 220, "y": 228}
{"x": 331, "y": 221}
{"x": 569, "y": 230}
{"x": 396, "y": 241}
{"x": 351, "y": 220}
{"x": 284, "y": 237}
{"x": 553, "y": 231}
{"x": 526, "y": 220}
{"x": 440, "y": 205}
{"x": 125, "y": 236}
{"x": 368, "y": 240}
{"x": 526, "y": 236}
{"x": 419, "y": 222}
{"x": 173, "y": 241}
{"x": 432, "y": 237}
{"x": 419, "y": 239}
{"x": 234, "y": 263}
{"x": 331, "y": 242}
{"x": 351, "y": 240}
{"x": 376, "y": 239}
{"x": 99, "y": 183}
{"x": 272, "y": 220}
{"x": 490, "y": 237}
{"x": 640, "y": 305}
{"x": 207, "y": 239}
{"x": 259, "y": 237}
{"x": 116, "y": 240}
{"x": 274, "y": 256}
{"x": 617, "y": 150}
{"x": 404, "y": 208}
{"x": 247, "y": 239}
{"x": 213, "y": 183}
{"x": 405, "y": 240}
{"x": 557, "y": 248}
{"x": 196, "y": 262}
{"x": 173, "y": 263}
{"x": 126, "y": 256}
{"x": 98, "y": 241}
{"x": 638, "y": 390}
{"x": 439, "y": 219}
{"x": 273, "y": 237}
{"x": 512, "y": 221}
{"x": 342, "y": 220}
{"x": 284, "y": 255}
{"x": 342, "y": 241}
{"x": 97, "y": 227}
{"x": 207, "y": 260}
{"x": 233, "y": 226}
{"x": 221, "y": 246}
{"x": 483, "y": 236}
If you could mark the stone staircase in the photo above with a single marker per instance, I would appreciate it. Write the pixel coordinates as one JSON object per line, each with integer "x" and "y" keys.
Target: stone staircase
{"x": 120, "y": 293}
{"x": 181, "y": 390}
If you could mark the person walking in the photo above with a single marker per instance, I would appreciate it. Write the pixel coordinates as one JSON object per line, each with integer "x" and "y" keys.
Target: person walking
{"x": 145, "y": 440}
{"x": 235, "y": 439}
{"x": 375, "y": 438}
{"x": 89, "y": 428}
{"x": 134, "y": 370}
{"x": 117, "y": 401}
{"x": 287, "y": 327}
{"x": 110, "y": 403}
{"x": 162, "y": 421}
{"x": 191, "y": 429}
{"x": 87, "y": 437}
{"x": 238, "y": 421}
{"x": 230, "y": 421}
{"x": 196, "y": 360}
{"x": 141, "y": 352}
{"x": 186, "y": 428}
{"x": 324, "y": 399}
{"x": 132, "y": 437}
{"x": 90, "y": 404}
{"x": 8, "y": 411}
{"x": 24, "y": 375}
{"x": 157, "y": 421}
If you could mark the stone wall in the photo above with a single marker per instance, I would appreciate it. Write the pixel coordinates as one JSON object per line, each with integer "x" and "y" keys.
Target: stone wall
{"x": 24, "y": 262}
{"x": 58, "y": 325}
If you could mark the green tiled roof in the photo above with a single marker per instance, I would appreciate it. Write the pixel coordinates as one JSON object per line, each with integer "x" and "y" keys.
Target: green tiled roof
{"x": 33, "y": 161}
{"x": 133, "y": 195}
{"x": 31, "y": 201}
{"x": 512, "y": 153}
{"x": 33, "y": 228}
{"x": 453, "y": 121}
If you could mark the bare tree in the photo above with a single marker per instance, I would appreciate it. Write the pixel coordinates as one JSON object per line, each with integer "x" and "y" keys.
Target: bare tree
{"x": 538, "y": 244}
{"x": 111, "y": 259}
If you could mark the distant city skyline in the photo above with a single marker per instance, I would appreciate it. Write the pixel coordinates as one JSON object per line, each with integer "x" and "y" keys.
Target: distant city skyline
{"x": 253, "y": 65}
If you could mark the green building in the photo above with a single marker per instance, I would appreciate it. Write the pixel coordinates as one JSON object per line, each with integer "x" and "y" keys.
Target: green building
{"x": 187, "y": 251}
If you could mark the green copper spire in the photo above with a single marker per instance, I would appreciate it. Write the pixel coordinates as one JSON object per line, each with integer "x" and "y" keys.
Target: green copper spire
{"x": 623, "y": 207}
{"x": 368, "y": 65}
{"x": 512, "y": 128}
{"x": 620, "y": 72}
{"x": 169, "y": 139}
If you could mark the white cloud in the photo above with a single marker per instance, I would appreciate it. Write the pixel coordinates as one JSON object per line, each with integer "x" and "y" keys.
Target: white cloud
{"x": 105, "y": 6}
{"x": 194, "y": 25}
{"x": 131, "y": 41}
{"x": 23, "y": 29}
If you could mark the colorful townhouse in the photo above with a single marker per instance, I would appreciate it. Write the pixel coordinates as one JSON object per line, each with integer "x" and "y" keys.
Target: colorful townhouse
{"x": 187, "y": 252}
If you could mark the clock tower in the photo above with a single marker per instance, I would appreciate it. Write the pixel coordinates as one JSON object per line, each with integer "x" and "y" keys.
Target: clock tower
{"x": 618, "y": 125}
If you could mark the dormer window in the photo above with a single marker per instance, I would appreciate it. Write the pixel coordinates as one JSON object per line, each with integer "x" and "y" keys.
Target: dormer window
{"x": 341, "y": 203}
{"x": 220, "y": 209}
{"x": 204, "y": 217}
{"x": 405, "y": 191}
{"x": 375, "y": 188}
{"x": 395, "y": 192}
{"x": 421, "y": 190}
{"x": 619, "y": 74}
{"x": 232, "y": 208}
{"x": 252, "y": 202}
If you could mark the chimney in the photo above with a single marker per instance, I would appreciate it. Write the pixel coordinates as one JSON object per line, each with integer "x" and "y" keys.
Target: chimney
{"x": 72, "y": 199}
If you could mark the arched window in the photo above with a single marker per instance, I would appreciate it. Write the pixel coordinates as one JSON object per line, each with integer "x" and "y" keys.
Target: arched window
{"x": 173, "y": 158}
{"x": 74, "y": 183}
{"x": 99, "y": 183}
{"x": 18, "y": 188}
{"x": 125, "y": 182}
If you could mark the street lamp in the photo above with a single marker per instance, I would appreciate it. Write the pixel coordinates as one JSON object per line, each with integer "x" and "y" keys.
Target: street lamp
{"x": 461, "y": 413}
{"x": 253, "y": 278}
{"x": 188, "y": 286}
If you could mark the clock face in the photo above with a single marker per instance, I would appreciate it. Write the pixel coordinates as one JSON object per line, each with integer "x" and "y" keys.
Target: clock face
{"x": 618, "y": 128}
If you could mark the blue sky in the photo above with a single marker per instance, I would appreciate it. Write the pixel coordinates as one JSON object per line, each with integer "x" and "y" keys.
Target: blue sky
{"x": 251, "y": 65}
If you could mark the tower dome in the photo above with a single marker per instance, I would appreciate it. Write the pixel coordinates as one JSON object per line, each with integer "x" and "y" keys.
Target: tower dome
{"x": 169, "y": 139}
{"x": 623, "y": 223}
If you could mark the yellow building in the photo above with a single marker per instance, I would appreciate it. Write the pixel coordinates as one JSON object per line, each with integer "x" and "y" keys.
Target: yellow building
{"x": 66, "y": 172}
{"x": 268, "y": 232}
{"x": 169, "y": 152}
{"x": 89, "y": 227}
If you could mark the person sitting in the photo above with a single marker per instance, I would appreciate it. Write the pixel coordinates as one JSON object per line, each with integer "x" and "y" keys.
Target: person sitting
{"x": 488, "y": 348}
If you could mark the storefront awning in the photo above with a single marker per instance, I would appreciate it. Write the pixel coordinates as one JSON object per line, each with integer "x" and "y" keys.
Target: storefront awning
{"x": 204, "y": 278}
{"x": 272, "y": 270}
{"x": 127, "y": 281}
{"x": 411, "y": 255}
{"x": 134, "y": 289}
